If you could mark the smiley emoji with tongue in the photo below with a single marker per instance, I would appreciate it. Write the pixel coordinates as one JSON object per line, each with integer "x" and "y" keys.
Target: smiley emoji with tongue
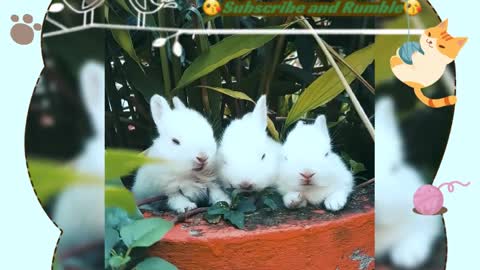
{"x": 211, "y": 7}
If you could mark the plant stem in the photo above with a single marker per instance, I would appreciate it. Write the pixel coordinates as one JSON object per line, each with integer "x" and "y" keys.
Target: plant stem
{"x": 279, "y": 46}
{"x": 191, "y": 213}
{"x": 357, "y": 75}
{"x": 164, "y": 60}
{"x": 351, "y": 94}
{"x": 151, "y": 200}
{"x": 365, "y": 183}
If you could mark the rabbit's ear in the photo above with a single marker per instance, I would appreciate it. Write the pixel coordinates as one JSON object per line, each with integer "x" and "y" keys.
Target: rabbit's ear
{"x": 160, "y": 108}
{"x": 260, "y": 112}
{"x": 386, "y": 121}
{"x": 321, "y": 124}
{"x": 300, "y": 124}
{"x": 178, "y": 104}
{"x": 92, "y": 84}
{"x": 385, "y": 113}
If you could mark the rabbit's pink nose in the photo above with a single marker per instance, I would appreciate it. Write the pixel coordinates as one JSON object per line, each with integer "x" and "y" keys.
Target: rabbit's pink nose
{"x": 202, "y": 159}
{"x": 246, "y": 185}
{"x": 307, "y": 176}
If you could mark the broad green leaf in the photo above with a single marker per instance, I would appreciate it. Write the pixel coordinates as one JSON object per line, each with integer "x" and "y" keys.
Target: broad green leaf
{"x": 145, "y": 232}
{"x": 148, "y": 81}
{"x": 120, "y": 197}
{"x": 356, "y": 167}
{"x": 122, "y": 37}
{"x": 50, "y": 177}
{"x": 328, "y": 86}
{"x": 121, "y": 162}
{"x": 116, "y": 217}
{"x": 111, "y": 239}
{"x": 273, "y": 131}
{"x": 212, "y": 219}
{"x": 155, "y": 263}
{"x": 246, "y": 205}
{"x": 124, "y": 5}
{"x": 219, "y": 208}
{"x": 116, "y": 261}
{"x": 270, "y": 203}
{"x": 221, "y": 53}
{"x": 242, "y": 96}
{"x": 237, "y": 218}
{"x": 231, "y": 93}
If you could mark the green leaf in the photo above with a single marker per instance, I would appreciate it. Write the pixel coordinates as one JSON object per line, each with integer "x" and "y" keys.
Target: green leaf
{"x": 328, "y": 86}
{"x": 237, "y": 218}
{"x": 148, "y": 81}
{"x": 122, "y": 37}
{"x": 212, "y": 219}
{"x": 273, "y": 131}
{"x": 221, "y": 53}
{"x": 116, "y": 218}
{"x": 145, "y": 232}
{"x": 50, "y": 177}
{"x": 219, "y": 208}
{"x": 111, "y": 239}
{"x": 120, "y": 197}
{"x": 305, "y": 46}
{"x": 117, "y": 261}
{"x": 270, "y": 203}
{"x": 242, "y": 96}
{"x": 231, "y": 93}
{"x": 124, "y": 5}
{"x": 247, "y": 205}
{"x": 120, "y": 162}
{"x": 356, "y": 167}
{"x": 155, "y": 263}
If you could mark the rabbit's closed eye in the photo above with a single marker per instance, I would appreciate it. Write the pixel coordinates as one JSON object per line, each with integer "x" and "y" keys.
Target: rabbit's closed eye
{"x": 176, "y": 141}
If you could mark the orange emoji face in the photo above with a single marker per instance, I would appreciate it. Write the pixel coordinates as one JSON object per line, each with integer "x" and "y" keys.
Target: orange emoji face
{"x": 412, "y": 7}
{"x": 211, "y": 7}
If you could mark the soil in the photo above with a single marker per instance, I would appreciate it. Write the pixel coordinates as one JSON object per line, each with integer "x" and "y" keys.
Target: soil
{"x": 360, "y": 201}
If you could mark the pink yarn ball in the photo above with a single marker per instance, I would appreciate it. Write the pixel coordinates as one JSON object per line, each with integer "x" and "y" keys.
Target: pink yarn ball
{"x": 428, "y": 200}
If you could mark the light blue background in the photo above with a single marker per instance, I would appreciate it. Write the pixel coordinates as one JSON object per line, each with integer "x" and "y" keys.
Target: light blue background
{"x": 28, "y": 237}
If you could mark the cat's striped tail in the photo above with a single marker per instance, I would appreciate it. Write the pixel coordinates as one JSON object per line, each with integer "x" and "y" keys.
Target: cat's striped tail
{"x": 435, "y": 103}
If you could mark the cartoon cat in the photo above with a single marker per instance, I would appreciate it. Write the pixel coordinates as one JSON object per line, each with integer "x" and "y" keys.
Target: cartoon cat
{"x": 421, "y": 65}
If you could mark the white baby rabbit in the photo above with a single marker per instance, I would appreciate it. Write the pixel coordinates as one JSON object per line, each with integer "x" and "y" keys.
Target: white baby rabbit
{"x": 79, "y": 209}
{"x": 310, "y": 172}
{"x": 247, "y": 157}
{"x": 399, "y": 233}
{"x": 187, "y": 144}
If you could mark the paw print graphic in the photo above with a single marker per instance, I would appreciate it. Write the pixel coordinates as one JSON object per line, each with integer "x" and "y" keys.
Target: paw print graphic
{"x": 23, "y": 33}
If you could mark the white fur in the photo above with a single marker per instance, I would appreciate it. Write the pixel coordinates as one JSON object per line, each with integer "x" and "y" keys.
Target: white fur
{"x": 399, "y": 233}
{"x": 308, "y": 150}
{"x": 244, "y": 143}
{"x": 177, "y": 178}
{"x": 79, "y": 210}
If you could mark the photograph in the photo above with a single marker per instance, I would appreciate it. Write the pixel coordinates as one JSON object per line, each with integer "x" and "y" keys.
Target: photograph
{"x": 249, "y": 151}
{"x": 64, "y": 141}
{"x": 411, "y": 141}
{"x": 239, "y": 135}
